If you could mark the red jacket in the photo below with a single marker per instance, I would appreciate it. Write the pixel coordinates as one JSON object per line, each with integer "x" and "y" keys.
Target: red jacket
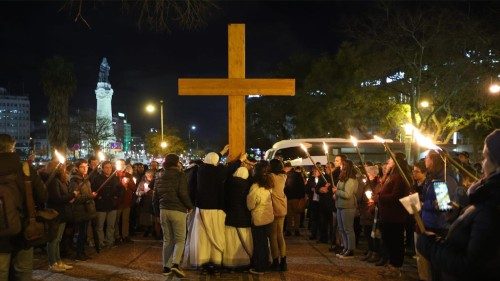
{"x": 390, "y": 209}
{"x": 127, "y": 183}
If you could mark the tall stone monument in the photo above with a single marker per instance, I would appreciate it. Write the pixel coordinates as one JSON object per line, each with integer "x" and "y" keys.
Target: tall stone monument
{"x": 104, "y": 95}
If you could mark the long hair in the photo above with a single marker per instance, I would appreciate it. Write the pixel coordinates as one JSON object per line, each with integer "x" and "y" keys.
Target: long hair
{"x": 437, "y": 162}
{"x": 348, "y": 171}
{"x": 262, "y": 174}
{"x": 401, "y": 159}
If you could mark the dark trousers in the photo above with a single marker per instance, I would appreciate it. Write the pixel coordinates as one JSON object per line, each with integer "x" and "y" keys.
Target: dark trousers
{"x": 82, "y": 237}
{"x": 373, "y": 243}
{"x": 260, "y": 256}
{"x": 313, "y": 211}
{"x": 325, "y": 224}
{"x": 393, "y": 237}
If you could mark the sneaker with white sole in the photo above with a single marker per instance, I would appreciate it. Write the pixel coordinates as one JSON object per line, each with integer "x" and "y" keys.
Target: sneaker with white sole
{"x": 65, "y": 266}
{"x": 177, "y": 271}
{"x": 56, "y": 268}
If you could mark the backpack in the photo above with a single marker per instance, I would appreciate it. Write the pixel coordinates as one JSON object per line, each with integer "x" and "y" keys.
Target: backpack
{"x": 10, "y": 206}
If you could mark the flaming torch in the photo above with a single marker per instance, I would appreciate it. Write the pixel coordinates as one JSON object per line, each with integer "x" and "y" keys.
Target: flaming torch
{"x": 310, "y": 158}
{"x": 61, "y": 160}
{"x": 325, "y": 148}
{"x": 416, "y": 215}
{"x": 426, "y": 142}
{"x": 117, "y": 166}
{"x": 355, "y": 144}
{"x": 391, "y": 154}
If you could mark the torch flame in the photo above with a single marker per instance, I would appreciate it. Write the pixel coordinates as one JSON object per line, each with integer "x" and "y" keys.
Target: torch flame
{"x": 325, "y": 148}
{"x": 377, "y": 138}
{"x": 59, "y": 156}
{"x": 101, "y": 156}
{"x": 354, "y": 141}
{"x": 424, "y": 141}
{"x": 303, "y": 147}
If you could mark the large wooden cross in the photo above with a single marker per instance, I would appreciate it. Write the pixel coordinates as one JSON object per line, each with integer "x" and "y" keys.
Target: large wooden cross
{"x": 236, "y": 87}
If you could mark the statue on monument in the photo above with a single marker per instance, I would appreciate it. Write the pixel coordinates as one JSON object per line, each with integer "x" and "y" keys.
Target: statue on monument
{"x": 104, "y": 71}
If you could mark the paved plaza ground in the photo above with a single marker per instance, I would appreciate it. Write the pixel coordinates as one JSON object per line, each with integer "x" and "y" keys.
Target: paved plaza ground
{"x": 307, "y": 260}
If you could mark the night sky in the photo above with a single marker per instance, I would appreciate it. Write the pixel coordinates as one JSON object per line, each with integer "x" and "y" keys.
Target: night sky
{"x": 145, "y": 64}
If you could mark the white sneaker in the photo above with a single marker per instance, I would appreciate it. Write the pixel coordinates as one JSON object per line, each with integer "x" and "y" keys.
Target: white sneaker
{"x": 56, "y": 268}
{"x": 65, "y": 266}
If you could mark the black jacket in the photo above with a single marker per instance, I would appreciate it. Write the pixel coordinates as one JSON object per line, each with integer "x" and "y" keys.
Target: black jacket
{"x": 59, "y": 197}
{"x": 110, "y": 194}
{"x": 237, "y": 213}
{"x": 171, "y": 190}
{"x": 210, "y": 187}
{"x": 294, "y": 185}
{"x": 10, "y": 163}
{"x": 471, "y": 251}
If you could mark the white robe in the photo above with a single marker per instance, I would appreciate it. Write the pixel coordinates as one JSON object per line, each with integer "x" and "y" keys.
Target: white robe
{"x": 207, "y": 239}
{"x": 239, "y": 248}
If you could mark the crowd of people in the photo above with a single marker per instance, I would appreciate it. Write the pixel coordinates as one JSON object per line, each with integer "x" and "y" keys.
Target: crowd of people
{"x": 211, "y": 215}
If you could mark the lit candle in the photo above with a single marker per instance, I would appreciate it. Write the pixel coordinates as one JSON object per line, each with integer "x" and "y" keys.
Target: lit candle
{"x": 368, "y": 194}
{"x": 355, "y": 144}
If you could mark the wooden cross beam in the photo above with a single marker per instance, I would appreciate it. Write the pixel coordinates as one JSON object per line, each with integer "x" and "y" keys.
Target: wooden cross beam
{"x": 236, "y": 87}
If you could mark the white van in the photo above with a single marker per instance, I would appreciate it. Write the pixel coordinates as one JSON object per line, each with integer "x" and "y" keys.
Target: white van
{"x": 290, "y": 150}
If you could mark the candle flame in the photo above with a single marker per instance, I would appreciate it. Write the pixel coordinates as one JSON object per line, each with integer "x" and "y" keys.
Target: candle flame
{"x": 377, "y": 138}
{"x": 368, "y": 194}
{"x": 135, "y": 180}
{"x": 59, "y": 156}
{"x": 325, "y": 148}
{"x": 118, "y": 165}
{"x": 354, "y": 141}
{"x": 101, "y": 156}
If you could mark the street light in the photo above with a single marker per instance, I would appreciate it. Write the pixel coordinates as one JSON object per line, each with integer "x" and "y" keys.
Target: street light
{"x": 193, "y": 127}
{"x": 494, "y": 88}
{"x": 151, "y": 108}
{"x": 424, "y": 104}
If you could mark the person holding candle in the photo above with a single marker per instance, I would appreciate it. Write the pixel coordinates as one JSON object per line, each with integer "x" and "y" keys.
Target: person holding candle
{"x": 367, "y": 212}
{"x": 80, "y": 185}
{"x": 392, "y": 214}
{"x": 471, "y": 249}
{"x": 145, "y": 197}
{"x": 60, "y": 200}
{"x": 345, "y": 194}
{"x": 122, "y": 225}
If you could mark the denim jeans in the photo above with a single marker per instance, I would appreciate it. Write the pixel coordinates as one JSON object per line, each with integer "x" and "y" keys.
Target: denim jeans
{"x": 345, "y": 218}
{"x": 110, "y": 219}
{"x": 173, "y": 224}
{"x": 53, "y": 251}
{"x": 260, "y": 256}
{"x": 20, "y": 264}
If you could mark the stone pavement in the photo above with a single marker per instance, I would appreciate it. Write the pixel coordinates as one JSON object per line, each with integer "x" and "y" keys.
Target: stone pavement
{"x": 307, "y": 260}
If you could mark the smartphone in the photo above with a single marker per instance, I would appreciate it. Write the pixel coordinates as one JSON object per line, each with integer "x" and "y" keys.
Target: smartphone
{"x": 442, "y": 195}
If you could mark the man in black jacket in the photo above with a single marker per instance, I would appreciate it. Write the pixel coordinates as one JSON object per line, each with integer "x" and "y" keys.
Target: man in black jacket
{"x": 109, "y": 193}
{"x": 15, "y": 255}
{"x": 172, "y": 192}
